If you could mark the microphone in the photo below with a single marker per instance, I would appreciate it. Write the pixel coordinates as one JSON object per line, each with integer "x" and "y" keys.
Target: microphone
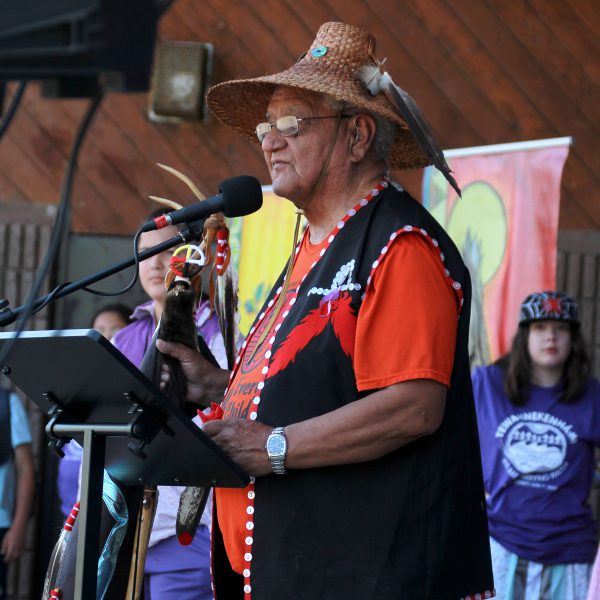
{"x": 237, "y": 197}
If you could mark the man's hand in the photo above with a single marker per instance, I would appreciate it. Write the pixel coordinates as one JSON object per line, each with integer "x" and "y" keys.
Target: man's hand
{"x": 205, "y": 382}
{"x": 13, "y": 543}
{"x": 244, "y": 441}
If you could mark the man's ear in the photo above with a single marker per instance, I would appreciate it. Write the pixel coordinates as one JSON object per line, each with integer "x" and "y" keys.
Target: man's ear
{"x": 361, "y": 133}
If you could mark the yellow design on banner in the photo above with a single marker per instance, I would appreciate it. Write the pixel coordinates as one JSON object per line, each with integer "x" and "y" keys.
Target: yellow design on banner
{"x": 266, "y": 244}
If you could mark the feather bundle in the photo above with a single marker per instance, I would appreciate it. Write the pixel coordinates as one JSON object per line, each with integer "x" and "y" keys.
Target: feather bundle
{"x": 377, "y": 80}
{"x": 184, "y": 285}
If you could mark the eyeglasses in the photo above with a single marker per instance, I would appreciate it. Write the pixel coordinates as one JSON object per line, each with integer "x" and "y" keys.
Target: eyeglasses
{"x": 288, "y": 126}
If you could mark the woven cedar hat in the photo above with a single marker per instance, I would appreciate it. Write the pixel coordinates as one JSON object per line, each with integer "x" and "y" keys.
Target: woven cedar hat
{"x": 329, "y": 67}
{"x": 549, "y": 306}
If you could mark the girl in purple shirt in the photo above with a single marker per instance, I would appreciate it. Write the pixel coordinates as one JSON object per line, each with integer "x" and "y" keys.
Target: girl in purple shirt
{"x": 538, "y": 411}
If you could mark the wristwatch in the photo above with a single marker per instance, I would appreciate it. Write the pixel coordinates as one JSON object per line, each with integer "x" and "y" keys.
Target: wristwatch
{"x": 276, "y": 448}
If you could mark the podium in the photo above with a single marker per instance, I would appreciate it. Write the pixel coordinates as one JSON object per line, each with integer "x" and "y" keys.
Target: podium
{"x": 95, "y": 395}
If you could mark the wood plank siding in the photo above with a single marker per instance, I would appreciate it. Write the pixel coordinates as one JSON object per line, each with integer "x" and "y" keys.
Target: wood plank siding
{"x": 24, "y": 237}
{"x": 483, "y": 72}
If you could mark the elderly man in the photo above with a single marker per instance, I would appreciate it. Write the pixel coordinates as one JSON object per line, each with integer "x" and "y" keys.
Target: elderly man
{"x": 350, "y": 403}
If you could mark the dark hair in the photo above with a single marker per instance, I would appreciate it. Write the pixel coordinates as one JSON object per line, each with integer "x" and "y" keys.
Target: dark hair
{"x": 122, "y": 310}
{"x": 517, "y": 367}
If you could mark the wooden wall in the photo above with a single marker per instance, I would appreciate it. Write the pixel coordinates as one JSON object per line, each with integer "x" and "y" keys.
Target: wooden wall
{"x": 483, "y": 72}
{"x": 24, "y": 238}
{"x": 578, "y": 274}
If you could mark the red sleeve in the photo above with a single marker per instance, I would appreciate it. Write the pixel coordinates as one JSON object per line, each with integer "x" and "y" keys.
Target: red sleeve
{"x": 408, "y": 321}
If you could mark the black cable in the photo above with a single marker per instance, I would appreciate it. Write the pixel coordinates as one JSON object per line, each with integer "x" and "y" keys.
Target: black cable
{"x": 136, "y": 258}
{"x": 60, "y": 228}
{"x": 51, "y": 296}
{"x": 12, "y": 109}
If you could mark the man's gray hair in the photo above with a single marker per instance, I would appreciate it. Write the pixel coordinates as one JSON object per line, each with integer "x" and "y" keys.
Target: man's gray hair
{"x": 385, "y": 130}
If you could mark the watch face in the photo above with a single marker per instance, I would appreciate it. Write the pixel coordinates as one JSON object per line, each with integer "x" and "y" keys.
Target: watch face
{"x": 276, "y": 445}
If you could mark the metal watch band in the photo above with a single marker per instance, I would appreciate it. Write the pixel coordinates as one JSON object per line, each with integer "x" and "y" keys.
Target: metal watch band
{"x": 278, "y": 462}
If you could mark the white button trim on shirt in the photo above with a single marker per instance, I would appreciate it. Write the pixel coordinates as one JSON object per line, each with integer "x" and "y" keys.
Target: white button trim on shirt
{"x": 346, "y": 271}
{"x": 407, "y": 229}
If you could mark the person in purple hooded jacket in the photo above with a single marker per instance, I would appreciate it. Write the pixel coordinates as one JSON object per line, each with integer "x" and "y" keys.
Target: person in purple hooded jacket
{"x": 538, "y": 412}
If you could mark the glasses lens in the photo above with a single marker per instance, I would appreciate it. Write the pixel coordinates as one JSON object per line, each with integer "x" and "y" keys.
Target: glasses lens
{"x": 261, "y": 131}
{"x": 287, "y": 125}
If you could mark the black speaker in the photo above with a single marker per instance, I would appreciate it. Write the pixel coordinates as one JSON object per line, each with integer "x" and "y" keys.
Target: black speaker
{"x": 79, "y": 45}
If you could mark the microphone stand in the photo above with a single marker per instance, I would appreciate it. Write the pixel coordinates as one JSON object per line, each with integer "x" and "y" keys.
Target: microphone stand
{"x": 9, "y": 316}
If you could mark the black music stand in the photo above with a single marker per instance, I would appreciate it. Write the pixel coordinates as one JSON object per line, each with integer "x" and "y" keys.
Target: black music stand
{"x": 95, "y": 395}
